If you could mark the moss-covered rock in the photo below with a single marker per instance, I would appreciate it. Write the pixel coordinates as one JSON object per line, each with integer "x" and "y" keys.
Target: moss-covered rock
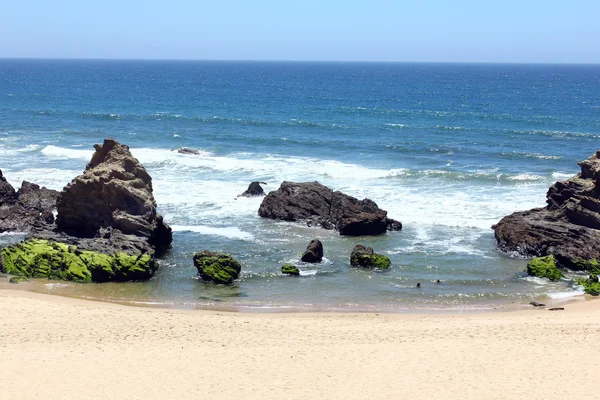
{"x": 217, "y": 267}
{"x": 17, "y": 279}
{"x": 591, "y": 285}
{"x": 289, "y": 269}
{"x": 544, "y": 267}
{"x": 38, "y": 258}
{"x": 592, "y": 266}
{"x": 365, "y": 257}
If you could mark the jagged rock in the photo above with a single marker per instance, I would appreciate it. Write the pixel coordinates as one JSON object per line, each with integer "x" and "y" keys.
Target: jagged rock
{"x": 187, "y": 150}
{"x": 29, "y": 207}
{"x": 365, "y": 257}
{"x": 314, "y": 252}
{"x": 45, "y": 259}
{"x": 319, "y": 205}
{"x": 113, "y": 199}
{"x": 288, "y": 269}
{"x": 544, "y": 267}
{"x": 216, "y": 267}
{"x": 254, "y": 190}
{"x": 567, "y": 228}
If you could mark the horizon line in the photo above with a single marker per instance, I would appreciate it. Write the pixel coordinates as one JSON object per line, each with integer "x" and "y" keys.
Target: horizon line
{"x": 296, "y": 61}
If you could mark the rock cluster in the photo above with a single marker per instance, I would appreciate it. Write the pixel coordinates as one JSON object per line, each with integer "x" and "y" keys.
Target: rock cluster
{"x": 30, "y": 206}
{"x": 319, "y": 205}
{"x": 567, "y": 228}
{"x": 365, "y": 257}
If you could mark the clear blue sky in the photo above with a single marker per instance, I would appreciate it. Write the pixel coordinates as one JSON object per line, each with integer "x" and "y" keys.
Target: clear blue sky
{"x": 370, "y": 30}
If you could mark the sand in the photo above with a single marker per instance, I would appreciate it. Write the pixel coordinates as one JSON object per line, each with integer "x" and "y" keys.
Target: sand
{"x": 60, "y": 348}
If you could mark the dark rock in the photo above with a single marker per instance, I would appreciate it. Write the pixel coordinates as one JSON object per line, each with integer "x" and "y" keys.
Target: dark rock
{"x": 254, "y": 190}
{"x": 29, "y": 207}
{"x": 365, "y": 257}
{"x": 536, "y": 304}
{"x": 216, "y": 267}
{"x": 187, "y": 150}
{"x": 7, "y": 192}
{"x": 314, "y": 252}
{"x": 113, "y": 199}
{"x": 288, "y": 269}
{"x": 556, "y": 309}
{"x": 318, "y": 205}
{"x": 567, "y": 228}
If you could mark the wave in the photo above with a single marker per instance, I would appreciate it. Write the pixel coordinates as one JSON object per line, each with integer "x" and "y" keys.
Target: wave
{"x": 63, "y": 152}
{"x": 228, "y": 232}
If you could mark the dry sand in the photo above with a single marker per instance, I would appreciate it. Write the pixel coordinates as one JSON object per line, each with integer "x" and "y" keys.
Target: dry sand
{"x": 60, "y": 348}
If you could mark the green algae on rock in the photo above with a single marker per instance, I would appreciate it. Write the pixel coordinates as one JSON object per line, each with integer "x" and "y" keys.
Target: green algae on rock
{"x": 17, "y": 279}
{"x": 591, "y": 285}
{"x": 544, "y": 267}
{"x": 38, "y": 258}
{"x": 365, "y": 257}
{"x": 217, "y": 267}
{"x": 289, "y": 269}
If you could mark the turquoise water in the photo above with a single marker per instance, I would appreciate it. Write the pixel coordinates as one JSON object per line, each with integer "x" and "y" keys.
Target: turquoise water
{"x": 448, "y": 149}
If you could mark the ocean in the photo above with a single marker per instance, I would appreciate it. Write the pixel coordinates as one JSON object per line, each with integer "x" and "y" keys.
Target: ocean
{"x": 447, "y": 149}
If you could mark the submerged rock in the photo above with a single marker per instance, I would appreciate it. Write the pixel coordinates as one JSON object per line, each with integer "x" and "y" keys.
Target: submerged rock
{"x": 254, "y": 190}
{"x": 567, "y": 228}
{"x": 289, "y": 269}
{"x": 319, "y": 205}
{"x": 544, "y": 267}
{"x": 187, "y": 150}
{"x": 38, "y": 258}
{"x": 365, "y": 257}
{"x": 314, "y": 252}
{"x": 217, "y": 267}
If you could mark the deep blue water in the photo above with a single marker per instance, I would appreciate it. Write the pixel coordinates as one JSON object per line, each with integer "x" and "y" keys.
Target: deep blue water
{"x": 448, "y": 149}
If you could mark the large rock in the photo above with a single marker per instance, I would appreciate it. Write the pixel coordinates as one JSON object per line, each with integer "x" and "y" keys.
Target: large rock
{"x": 26, "y": 209}
{"x": 567, "y": 228}
{"x": 254, "y": 190}
{"x": 365, "y": 257}
{"x": 319, "y": 205}
{"x": 314, "y": 252}
{"x": 114, "y": 193}
{"x": 217, "y": 267}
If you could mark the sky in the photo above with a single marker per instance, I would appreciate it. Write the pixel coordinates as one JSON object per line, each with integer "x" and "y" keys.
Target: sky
{"x": 519, "y": 31}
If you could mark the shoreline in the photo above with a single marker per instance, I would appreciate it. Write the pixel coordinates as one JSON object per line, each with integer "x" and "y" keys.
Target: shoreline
{"x": 95, "y": 350}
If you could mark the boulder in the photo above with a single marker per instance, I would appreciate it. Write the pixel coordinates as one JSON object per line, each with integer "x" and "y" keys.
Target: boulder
{"x": 114, "y": 193}
{"x": 544, "y": 267}
{"x": 365, "y": 257}
{"x": 187, "y": 150}
{"x": 37, "y": 258}
{"x": 567, "y": 228}
{"x": 288, "y": 269}
{"x": 254, "y": 190}
{"x": 318, "y": 205}
{"x": 314, "y": 252}
{"x": 217, "y": 267}
{"x": 7, "y": 192}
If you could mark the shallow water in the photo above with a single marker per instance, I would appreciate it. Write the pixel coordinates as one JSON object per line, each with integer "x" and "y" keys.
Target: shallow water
{"x": 446, "y": 149}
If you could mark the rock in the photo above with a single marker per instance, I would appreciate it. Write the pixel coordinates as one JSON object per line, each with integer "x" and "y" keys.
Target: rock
{"x": 216, "y": 267}
{"x": 544, "y": 267}
{"x": 187, "y": 150}
{"x": 36, "y": 258}
{"x": 556, "y": 309}
{"x": 254, "y": 190}
{"x": 567, "y": 228}
{"x": 17, "y": 279}
{"x": 365, "y": 257}
{"x": 318, "y": 205}
{"x": 29, "y": 207}
{"x": 591, "y": 285}
{"x": 113, "y": 199}
{"x": 290, "y": 270}
{"x": 314, "y": 252}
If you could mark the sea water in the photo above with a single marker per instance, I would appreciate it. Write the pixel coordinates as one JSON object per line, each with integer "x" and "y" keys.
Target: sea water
{"x": 448, "y": 149}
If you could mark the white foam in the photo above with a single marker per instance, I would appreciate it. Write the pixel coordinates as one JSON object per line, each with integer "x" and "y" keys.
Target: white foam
{"x": 228, "y": 232}
{"x": 577, "y": 291}
{"x": 561, "y": 176}
{"x": 62, "y": 152}
{"x": 526, "y": 177}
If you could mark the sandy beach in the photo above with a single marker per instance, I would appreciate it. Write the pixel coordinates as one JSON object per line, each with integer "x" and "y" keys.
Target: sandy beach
{"x": 61, "y": 348}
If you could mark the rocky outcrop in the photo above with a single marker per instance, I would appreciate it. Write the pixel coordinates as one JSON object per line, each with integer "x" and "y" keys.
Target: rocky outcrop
{"x": 288, "y": 269}
{"x": 318, "y": 205}
{"x": 113, "y": 199}
{"x": 314, "y": 252}
{"x": 187, "y": 150}
{"x": 254, "y": 190}
{"x": 365, "y": 257}
{"x": 29, "y": 207}
{"x": 217, "y": 267}
{"x": 37, "y": 258}
{"x": 567, "y": 228}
